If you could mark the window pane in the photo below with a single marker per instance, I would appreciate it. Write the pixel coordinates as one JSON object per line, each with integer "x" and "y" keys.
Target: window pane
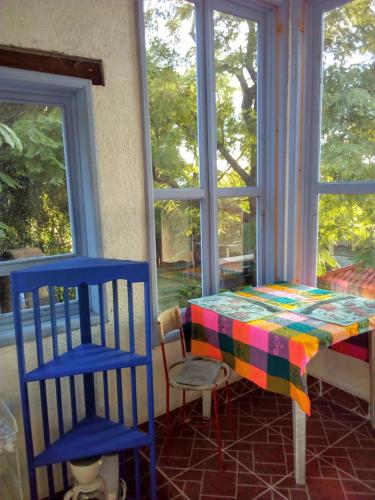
{"x": 171, "y": 69}
{"x": 178, "y": 249}
{"x": 346, "y": 244}
{"x": 34, "y": 211}
{"x": 26, "y": 299}
{"x": 348, "y": 108}
{"x": 236, "y": 100}
{"x": 237, "y": 242}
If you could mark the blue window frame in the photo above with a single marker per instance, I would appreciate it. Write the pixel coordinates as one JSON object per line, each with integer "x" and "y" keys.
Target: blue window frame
{"x": 208, "y": 196}
{"x": 72, "y": 96}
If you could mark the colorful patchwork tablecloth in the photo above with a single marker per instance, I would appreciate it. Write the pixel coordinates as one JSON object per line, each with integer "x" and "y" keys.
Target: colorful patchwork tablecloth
{"x": 271, "y": 351}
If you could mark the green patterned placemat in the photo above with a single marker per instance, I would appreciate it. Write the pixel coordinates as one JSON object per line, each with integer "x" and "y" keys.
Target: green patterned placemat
{"x": 344, "y": 310}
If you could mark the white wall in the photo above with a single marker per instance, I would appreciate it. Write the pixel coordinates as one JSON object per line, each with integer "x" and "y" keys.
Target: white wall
{"x": 101, "y": 29}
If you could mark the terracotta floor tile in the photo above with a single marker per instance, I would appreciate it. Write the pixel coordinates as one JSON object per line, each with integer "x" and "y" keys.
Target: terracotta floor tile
{"x": 325, "y": 489}
{"x": 355, "y": 456}
{"x": 321, "y": 474}
{"x": 265, "y": 405}
{"x": 265, "y": 453}
{"x": 258, "y": 450}
{"x": 365, "y": 433}
{"x": 168, "y": 491}
{"x": 247, "y": 492}
{"x": 219, "y": 484}
{"x": 184, "y": 452}
{"x": 323, "y": 429}
{"x": 191, "y": 489}
{"x": 347, "y": 401}
{"x": 234, "y": 426}
{"x": 211, "y": 464}
{"x": 360, "y": 496}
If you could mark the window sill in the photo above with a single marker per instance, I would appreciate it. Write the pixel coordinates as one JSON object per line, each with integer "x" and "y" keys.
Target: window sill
{"x": 7, "y": 334}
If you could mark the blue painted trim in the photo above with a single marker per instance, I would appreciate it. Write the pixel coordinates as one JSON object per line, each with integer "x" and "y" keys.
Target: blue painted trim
{"x": 70, "y": 364}
{"x": 74, "y": 96}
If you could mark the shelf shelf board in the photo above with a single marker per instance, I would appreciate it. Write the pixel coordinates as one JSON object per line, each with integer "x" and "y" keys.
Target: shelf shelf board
{"x": 92, "y": 436}
{"x": 86, "y": 358}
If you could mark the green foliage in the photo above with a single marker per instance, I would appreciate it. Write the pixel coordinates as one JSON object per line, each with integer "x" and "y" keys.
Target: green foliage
{"x": 8, "y": 136}
{"x": 188, "y": 292}
{"x": 348, "y": 135}
{"x": 34, "y": 201}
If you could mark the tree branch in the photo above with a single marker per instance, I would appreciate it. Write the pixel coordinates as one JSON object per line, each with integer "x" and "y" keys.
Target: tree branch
{"x": 234, "y": 164}
{"x": 163, "y": 179}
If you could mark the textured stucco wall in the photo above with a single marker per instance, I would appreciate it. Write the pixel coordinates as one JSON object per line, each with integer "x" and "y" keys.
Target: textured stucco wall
{"x": 102, "y": 29}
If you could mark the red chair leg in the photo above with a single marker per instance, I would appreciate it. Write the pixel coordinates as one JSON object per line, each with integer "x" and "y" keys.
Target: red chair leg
{"x": 218, "y": 430}
{"x": 228, "y": 400}
{"x": 169, "y": 426}
{"x": 183, "y": 405}
{"x": 229, "y": 408}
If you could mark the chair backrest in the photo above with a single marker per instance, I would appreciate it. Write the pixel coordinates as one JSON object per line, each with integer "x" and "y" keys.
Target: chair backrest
{"x": 169, "y": 321}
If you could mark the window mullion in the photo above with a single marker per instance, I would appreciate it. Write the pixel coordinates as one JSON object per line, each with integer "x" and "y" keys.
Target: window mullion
{"x": 200, "y": 15}
{"x": 358, "y": 187}
{"x": 307, "y": 230}
{"x": 179, "y": 194}
{"x": 212, "y": 145}
{"x": 232, "y": 192}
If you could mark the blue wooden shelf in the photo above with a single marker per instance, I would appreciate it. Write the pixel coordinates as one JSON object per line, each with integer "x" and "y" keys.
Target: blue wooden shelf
{"x": 78, "y": 443}
{"x": 86, "y": 358}
{"x": 95, "y": 281}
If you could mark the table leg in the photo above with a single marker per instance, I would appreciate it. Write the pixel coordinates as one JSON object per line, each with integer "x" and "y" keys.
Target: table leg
{"x": 320, "y": 388}
{"x": 299, "y": 443}
{"x": 206, "y": 404}
{"x": 372, "y": 376}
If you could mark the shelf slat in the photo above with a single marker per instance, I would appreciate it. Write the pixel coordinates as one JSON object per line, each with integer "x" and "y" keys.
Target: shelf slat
{"x": 92, "y": 436}
{"x": 86, "y": 358}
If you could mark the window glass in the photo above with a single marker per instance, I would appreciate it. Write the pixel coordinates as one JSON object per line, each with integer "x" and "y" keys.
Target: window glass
{"x": 172, "y": 90}
{"x": 26, "y": 299}
{"x": 34, "y": 207}
{"x": 178, "y": 249}
{"x": 236, "y": 100}
{"x": 348, "y": 107}
{"x": 237, "y": 242}
{"x": 346, "y": 243}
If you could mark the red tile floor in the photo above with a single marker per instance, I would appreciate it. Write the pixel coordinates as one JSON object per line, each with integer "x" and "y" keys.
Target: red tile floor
{"x": 258, "y": 450}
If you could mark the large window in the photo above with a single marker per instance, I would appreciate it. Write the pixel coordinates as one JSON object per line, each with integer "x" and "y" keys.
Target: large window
{"x": 345, "y": 168}
{"x": 34, "y": 202}
{"x": 206, "y": 112}
{"x": 48, "y": 208}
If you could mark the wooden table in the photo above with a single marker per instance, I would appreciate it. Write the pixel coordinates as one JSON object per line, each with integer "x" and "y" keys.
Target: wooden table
{"x": 299, "y": 416}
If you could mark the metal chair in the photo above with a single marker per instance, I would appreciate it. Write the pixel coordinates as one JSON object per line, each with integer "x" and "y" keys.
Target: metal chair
{"x": 191, "y": 373}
